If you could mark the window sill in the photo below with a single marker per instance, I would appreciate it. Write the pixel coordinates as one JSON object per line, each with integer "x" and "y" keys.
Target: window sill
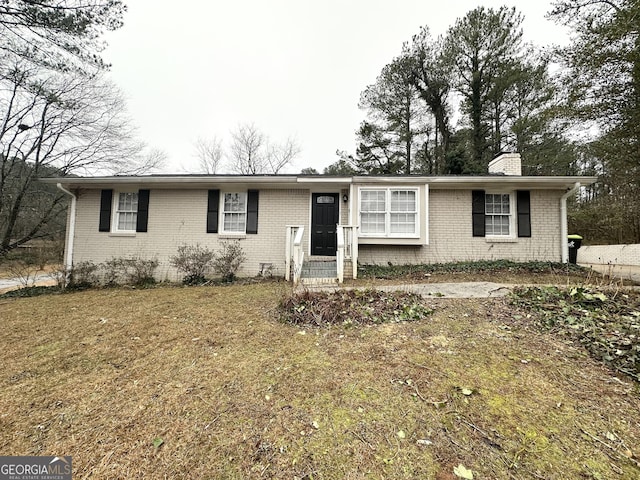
{"x": 232, "y": 236}
{"x": 391, "y": 240}
{"x": 501, "y": 239}
{"x": 374, "y": 237}
{"x": 122, "y": 234}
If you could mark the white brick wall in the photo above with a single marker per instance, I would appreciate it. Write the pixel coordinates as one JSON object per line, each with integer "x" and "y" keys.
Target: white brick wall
{"x": 179, "y": 216}
{"x": 610, "y": 254}
{"x": 451, "y": 238}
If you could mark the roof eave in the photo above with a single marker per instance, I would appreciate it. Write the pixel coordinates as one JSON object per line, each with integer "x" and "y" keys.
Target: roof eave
{"x": 294, "y": 181}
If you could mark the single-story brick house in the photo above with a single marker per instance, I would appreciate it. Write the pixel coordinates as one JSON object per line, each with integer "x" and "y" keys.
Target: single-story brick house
{"x": 284, "y": 223}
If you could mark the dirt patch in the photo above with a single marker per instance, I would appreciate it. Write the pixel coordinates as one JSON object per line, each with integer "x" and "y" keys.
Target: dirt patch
{"x": 205, "y": 382}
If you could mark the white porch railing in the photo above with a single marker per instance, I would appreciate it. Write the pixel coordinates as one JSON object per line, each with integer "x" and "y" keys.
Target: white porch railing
{"x": 340, "y": 254}
{"x": 294, "y": 253}
{"x": 347, "y": 249}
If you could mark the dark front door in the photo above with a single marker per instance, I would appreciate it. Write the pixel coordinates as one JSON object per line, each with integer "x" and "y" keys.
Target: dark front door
{"x": 324, "y": 220}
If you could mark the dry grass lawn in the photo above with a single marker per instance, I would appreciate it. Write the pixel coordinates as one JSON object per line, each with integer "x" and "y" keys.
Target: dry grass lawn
{"x": 227, "y": 391}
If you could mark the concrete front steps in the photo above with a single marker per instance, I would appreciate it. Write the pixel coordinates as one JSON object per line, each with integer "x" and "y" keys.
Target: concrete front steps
{"x": 319, "y": 271}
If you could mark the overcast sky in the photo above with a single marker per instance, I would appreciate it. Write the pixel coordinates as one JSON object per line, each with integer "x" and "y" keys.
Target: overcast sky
{"x": 292, "y": 67}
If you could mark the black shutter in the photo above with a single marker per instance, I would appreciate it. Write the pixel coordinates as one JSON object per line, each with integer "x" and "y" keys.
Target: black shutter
{"x": 143, "y": 211}
{"x": 213, "y": 203}
{"x": 252, "y": 211}
{"x": 477, "y": 210}
{"x": 106, "y": 196}
{"x": 524, "y": 213}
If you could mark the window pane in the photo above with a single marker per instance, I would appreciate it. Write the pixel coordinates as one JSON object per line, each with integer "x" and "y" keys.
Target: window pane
{"x": 127, "y": 220}
{"x": 234, "y": 222}
{"x": 403, "y": 223}
{"x": 497, "y": 224}
{"x": 497, "y": 204}
{"x": 234, "y": 202}
{"x": 372, "y": 201}
{"x": 372, "y": 223}
{"x": 403, "y": 201}
{"x": 326, "y": 199}
{"x": 128, "y": 202}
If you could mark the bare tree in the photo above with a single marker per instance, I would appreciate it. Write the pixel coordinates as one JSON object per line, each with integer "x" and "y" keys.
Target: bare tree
{"x": 247, "y": 150}
{"x": 281, "y": 155}
{"x": 56, "y": 125}
{"x": 252, "y": 152}
{"x": 209, "y": 154}
{"x": 151, "y": 160}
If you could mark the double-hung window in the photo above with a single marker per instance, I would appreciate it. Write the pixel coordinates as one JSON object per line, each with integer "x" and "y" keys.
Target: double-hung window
{"x": 126, "y": 211}
{"x": 497, "y": 215}
{"x": 502, "y": 216}
{"x": 373, "y": 204}
{"x": 234, "y": 213}
{"x": 389, "y": 212}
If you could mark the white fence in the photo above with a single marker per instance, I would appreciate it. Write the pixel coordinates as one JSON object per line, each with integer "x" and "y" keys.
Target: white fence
{"x": 610, "y": 254}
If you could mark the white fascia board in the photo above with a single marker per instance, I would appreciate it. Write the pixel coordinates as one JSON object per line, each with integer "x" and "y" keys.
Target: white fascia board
{"x": 293, "y": 181}
{"x": 465, "y": 182}
{"x": 324, "y": 180}
{"x": 542, "y": 183}
{"x": 171, "y": 181}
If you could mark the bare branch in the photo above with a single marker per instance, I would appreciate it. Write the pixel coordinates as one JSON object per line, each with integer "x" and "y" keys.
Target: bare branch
{"x": 56, "y": 125}
{"x": 209, "y": 154}
{"x": 252, "y": 153}
{"x": 281, "y": 155}
{"x": 247, "y": 150}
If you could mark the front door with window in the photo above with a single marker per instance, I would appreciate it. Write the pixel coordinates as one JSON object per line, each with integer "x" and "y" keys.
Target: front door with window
{"x": 324, "y": 220}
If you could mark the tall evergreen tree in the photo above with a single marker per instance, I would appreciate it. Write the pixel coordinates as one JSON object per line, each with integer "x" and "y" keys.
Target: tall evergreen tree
{"x": 432, "y": 79}
{"x": 482, "y": 47}
{"x": 388, "y": 140}
{"x": 602, "y": 92}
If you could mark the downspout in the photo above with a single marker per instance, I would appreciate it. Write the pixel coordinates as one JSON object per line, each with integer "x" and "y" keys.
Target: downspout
{"x": 71, "y": 230}
{"x": 564, "y": 243}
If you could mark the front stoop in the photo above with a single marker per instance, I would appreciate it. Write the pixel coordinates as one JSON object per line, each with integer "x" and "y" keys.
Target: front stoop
{"x": 319, "y": 272}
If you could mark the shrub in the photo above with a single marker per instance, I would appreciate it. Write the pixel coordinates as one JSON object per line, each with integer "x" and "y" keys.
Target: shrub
{"x": 194, "y": 261}
{"x": 81, "y": 275}
{"x": 228, "y": 260}
{"x": 141, "y": 271}
{"x": 24, "y": 271}
{"x": 113, "y": 272}
{"x": 133, "y": 271}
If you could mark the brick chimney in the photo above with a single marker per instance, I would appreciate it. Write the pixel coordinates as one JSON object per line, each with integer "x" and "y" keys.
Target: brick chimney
{"x": 506, "y": 164}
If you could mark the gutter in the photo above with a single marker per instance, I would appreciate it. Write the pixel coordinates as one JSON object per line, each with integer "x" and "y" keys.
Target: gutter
{"x": 71, "y": 231}
{"x": 564, "y": 244}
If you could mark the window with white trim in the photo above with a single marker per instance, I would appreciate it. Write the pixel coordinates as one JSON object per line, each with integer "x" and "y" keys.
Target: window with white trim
{"x": 497, "y": 218}
{"x": 234, "y": 212}
{"x": 126, "y": 212}
{"x": 389, "y": 212}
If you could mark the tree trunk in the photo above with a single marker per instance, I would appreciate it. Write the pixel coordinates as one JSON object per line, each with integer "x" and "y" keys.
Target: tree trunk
{"x": 478, "y": 140}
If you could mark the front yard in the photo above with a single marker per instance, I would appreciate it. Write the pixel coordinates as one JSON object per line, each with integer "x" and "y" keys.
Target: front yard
{"x": 206, "y": 382}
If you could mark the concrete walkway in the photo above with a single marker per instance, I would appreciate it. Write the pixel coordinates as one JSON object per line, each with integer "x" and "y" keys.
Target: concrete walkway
{"x": 7, "y": 284}
{"x": 480, "y": 289}
{"x": 431, "y": 290}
